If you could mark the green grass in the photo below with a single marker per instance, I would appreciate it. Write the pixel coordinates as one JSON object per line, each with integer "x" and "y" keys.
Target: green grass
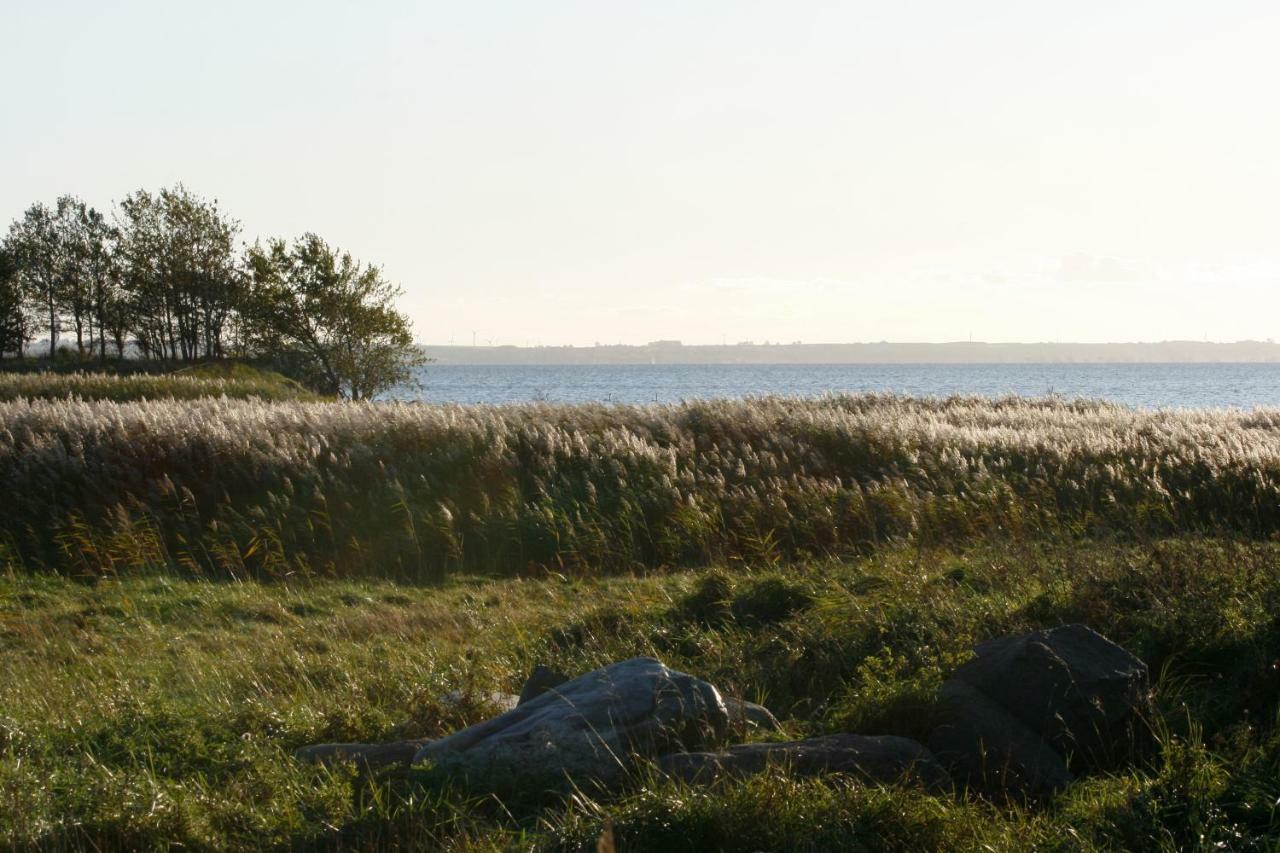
{"x": 232, "y": 380}
{"x": 155, "y": 711}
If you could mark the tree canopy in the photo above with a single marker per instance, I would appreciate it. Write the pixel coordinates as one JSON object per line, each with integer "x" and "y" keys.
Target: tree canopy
{"x": 334, "y": 315}
{"x": 163, "y": 278}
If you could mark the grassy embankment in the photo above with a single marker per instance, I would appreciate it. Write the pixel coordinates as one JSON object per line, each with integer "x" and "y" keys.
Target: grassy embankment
{"x": 236, "y": 381}
{"x": 857, "y": 548}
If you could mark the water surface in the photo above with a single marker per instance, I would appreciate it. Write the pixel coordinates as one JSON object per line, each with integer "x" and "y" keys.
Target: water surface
{"x": 1143, "y": 385}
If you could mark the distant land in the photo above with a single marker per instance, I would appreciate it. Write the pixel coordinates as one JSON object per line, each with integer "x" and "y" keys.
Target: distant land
{"x": 673, "y": 352}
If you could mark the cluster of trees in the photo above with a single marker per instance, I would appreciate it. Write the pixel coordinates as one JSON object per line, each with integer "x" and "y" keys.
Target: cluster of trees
{"x": 163, "y": 277}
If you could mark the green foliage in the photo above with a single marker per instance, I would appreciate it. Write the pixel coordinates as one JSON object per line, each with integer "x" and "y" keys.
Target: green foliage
{"x": 177, "y": 254}
{"x": 769, "y": 599}
{"x": 14, "y": 322}
{"x": 329, "y": 316}
{"x": 710, "y": 602}
{"x": 35, "y": 246}
{"x": 168, "y": 281}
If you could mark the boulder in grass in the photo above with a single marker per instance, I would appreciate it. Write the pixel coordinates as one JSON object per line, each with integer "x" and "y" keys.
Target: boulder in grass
{"x": 992, "y": 751}
{"x": 1026, "y": 708}
{"x": 885, "y": 759}
{"x": 588, "y": 730}
{"x": 1070, "y": 685}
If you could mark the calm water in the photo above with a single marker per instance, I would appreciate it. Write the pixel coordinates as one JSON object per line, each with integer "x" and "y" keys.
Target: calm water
{"x": 1144, "y": 385}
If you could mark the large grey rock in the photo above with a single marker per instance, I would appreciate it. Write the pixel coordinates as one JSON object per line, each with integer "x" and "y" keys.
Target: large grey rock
{"x": 990, "y": 749}
{"x": 748, "y": 716}
{"x": 587, "y": 730}
{"x": 885, "y": 759}
{"x": 1070, "y": 685}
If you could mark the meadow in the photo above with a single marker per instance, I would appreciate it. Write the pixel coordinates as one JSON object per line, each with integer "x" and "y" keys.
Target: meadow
{"x": 157, "y": 712}
{"x": 192, "y": 588}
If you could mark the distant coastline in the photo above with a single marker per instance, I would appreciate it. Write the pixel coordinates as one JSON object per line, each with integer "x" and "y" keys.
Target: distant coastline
{"x": 672, "y": 352}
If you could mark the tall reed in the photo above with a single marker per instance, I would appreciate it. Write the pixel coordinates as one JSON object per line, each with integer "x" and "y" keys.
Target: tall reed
{"x": 252, "y": 488}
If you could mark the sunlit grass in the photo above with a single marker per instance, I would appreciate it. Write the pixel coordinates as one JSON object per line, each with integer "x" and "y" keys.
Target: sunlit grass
{"x": 150, "y": 711}
{"x": 236, "y": 381}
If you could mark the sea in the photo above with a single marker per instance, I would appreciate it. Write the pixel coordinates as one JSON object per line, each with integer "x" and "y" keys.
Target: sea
{"x": 1147, "y": 386}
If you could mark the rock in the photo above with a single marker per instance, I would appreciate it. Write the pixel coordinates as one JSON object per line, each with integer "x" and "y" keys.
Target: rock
{"x": 589, "y": 729}
{"x": 368, "y": 756}
{"x": 750, "y": 716}
{"x": 1070, "y": 685}
{"x": 542, "y": 679}
{"x": 885, "y": 759}
{"x": 1014, "y": 716}
{"x": 990, "y": 749}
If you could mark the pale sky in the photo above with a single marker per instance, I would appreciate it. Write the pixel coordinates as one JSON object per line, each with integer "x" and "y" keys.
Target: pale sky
{"x": 567, "y": 172}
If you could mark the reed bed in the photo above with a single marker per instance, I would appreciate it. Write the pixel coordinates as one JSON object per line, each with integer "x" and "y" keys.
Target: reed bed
{"x": 251, "y": 488}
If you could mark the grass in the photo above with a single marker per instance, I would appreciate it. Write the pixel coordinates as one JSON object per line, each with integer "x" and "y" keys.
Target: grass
{"x": 192, "y": 588}
{"x": 251, "y": 489}
{"x": 154, "y": 711}
{"x": 230, "y": 380}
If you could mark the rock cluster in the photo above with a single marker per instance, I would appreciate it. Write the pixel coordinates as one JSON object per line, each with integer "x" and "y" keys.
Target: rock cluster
{"x": 1016, "y": 719}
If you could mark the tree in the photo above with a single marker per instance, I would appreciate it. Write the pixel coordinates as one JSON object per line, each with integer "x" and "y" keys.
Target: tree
{"x": 117, "y": 319}
{"x": 72, "y": 253}
{"x": 332, "y": 318}
{"x": 179, "y": 266}
{"x": 15, "y": 328}
{"x": 101, "y": 270}
{"x": 64, "y": 260}
{"x": 34, "y": 245}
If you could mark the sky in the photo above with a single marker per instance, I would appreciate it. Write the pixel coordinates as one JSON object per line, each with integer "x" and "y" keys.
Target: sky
{"x": 558, "y": 172}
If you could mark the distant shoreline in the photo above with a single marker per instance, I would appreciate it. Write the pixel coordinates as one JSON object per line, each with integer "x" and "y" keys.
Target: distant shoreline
{"x": 671, "y": 353}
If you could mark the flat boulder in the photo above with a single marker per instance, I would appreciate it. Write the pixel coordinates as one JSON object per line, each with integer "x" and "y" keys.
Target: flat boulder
{"x": 587, "y": 730}
{"x": 884, "y": 759}
{"x": 1070, "y": 685}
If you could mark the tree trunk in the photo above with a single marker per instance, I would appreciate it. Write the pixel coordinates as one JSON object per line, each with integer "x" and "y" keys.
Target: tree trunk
{"x": 53, "y": 329}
